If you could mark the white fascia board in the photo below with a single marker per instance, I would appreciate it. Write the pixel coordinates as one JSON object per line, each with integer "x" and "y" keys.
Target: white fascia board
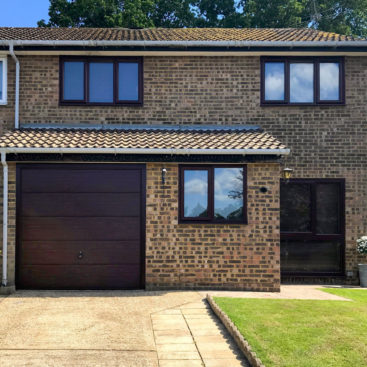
{"x": 148, "y": 151}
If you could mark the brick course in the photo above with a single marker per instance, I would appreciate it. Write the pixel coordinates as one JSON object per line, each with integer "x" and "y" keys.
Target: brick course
{"x": 325, "y": 141}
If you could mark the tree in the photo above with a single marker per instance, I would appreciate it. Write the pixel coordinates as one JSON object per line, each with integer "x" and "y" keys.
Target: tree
{"x": 275, "y": 13}
{"x": 344, "y": 16}
{"x": 340, "y": 16}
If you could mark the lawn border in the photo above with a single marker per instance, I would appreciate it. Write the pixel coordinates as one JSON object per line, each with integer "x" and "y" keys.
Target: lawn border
{"x": 232, "y": 329}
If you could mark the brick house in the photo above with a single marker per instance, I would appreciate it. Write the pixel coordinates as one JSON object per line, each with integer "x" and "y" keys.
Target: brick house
{"x": 154, "y": 158}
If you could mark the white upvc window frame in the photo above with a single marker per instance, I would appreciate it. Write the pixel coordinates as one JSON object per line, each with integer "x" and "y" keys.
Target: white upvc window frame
{"x": 4, "y": 60}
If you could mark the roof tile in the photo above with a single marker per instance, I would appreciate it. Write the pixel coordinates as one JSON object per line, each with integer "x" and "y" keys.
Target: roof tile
{"x": 171, "y": 34}
{"x": 140, "y": 138}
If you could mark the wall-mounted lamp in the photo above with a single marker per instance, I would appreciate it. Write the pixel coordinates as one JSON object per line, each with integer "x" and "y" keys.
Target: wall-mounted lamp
{"x": 287, "y": 173}
{"x": 164, "y": 171}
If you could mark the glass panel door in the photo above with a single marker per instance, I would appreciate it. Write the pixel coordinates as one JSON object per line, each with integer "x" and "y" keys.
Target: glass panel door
{"x": 312, "y": 226}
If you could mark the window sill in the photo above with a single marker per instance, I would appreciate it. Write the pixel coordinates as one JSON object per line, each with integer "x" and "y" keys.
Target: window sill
{"x": 78, "y": 104}
{"x": 333, "y": 104}
{"x": 4, "y": 103}
{"x": 180, "y": 221}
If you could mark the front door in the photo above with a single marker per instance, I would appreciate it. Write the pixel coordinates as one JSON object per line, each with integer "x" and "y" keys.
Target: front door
{"x": 312, "y": 227}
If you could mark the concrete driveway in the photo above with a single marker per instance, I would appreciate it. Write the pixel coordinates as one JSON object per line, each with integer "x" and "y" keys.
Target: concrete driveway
{"x": 111, "y": 328}
{"x": 45, "y": 328}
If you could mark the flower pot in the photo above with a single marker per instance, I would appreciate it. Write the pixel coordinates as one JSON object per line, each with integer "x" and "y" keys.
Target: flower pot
{"x": 363, "y": 275}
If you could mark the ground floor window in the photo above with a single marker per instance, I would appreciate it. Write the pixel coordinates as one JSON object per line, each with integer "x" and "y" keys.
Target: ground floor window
{"x": 215, "y": 194}
{"x": 312, "y": 226}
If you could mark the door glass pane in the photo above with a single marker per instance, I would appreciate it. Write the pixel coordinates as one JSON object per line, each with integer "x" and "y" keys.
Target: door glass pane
{"x": 228, "y": 193}
{"x": 327, "y": 208}
{"x": 1, "y": 80}
{"x": 310, "y": 256}
{"x": 274, "y": 81}
{"x": 101, "y": 82}
{"x": 295, "y": 207}
{"x": 329, "y": 81}
{"x": 74, "y": 80}
{"x": 128, "y": 82}
{"x": 195, "y": 193}
{"x": 301, "y": 82}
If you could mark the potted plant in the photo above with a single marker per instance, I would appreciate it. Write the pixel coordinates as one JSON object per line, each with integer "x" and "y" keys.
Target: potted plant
{"x": 362, "y": 249}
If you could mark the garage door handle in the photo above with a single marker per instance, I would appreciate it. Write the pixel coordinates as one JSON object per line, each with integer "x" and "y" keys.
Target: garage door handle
{"x": 80, "y": 256}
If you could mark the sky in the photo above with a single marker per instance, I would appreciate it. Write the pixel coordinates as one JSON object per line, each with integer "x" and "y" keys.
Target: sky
{"x": 22, "y": 13}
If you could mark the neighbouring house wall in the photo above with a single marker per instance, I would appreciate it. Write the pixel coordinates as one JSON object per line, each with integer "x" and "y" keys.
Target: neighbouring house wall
{"x": 325, "y": 141}
{"x": 213, "y": 255}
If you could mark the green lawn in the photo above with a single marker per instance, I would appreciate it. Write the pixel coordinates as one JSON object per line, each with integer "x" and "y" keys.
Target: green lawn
{"x": 295, "y": 333}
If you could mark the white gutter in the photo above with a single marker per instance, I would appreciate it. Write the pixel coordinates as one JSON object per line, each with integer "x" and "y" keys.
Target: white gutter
{"x": 92, "y": 43}
{"x": 5, "y": 219}
{"x": 147, "y": 151}
{"x": 17, "y": 73}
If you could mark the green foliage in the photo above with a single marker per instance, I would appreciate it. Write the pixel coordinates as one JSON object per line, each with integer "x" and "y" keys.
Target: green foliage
{"x": 304, "y": 333}
{"x": 343, "y": 16}
{"x": 275, "y": 13}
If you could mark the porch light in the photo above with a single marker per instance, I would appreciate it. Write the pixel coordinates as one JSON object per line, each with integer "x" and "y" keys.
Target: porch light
{"x": 287, "y": 173}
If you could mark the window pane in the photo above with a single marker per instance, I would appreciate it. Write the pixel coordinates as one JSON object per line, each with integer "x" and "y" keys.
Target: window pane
{"x": 329, "y": 81}
{"x": 295, "y": 207}
{"x": 1, "y": 80}
{"x": 310, "y": 256}
{"x": 327, "y": 209}
{"x": 274, "y": 81}
{"x": 301, "y": 82}
{"x": 195, "y": 193}
{"x": 74, "y": 80}
{"x": 128, "y": 82}
{"x": 101, "y": 82}
{"x": 228, "y": 193}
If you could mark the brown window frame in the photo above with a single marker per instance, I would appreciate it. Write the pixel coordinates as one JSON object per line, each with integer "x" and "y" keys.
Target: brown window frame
{"x": 316, "y": 60}
{"x": 210, "y": 218}
{"x": 87, "y": 61}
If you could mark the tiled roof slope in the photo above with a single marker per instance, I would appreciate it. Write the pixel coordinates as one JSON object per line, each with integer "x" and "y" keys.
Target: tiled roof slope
{"x": 140, "y": 138}
{"x": 171, "y": 34}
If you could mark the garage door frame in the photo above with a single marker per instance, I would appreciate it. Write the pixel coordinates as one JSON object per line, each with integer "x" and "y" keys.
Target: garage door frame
{"x": 82, "y": 166}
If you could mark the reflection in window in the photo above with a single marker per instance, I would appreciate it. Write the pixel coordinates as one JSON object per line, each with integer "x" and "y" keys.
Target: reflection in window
{"x": 101, "y": 82}
{"x": 301, "y": 82}
{"x": 228, "y": 193}
{"x": 74, "y": 81}
{"x": 295, "y": 207}
{"x": 195, "y": 193}
{"x": 329, "y": 81}
{"x": 128, "y": 85}
{"x": 274, "y": 81}
{"x": 327, "y": 208}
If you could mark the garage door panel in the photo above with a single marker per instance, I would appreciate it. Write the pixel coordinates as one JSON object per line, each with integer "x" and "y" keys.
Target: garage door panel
{"x": 80, "y": 228}
{"x": 66, "y": 253}
{"x": 80, "y": 180}
{"x": 80, "y": 204}
{"x": 79, "y": 276}
{"x": 65, "y": 209}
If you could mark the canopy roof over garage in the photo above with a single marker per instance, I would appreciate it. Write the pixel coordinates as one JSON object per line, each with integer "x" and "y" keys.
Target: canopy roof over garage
{"x": 143, "y": 139}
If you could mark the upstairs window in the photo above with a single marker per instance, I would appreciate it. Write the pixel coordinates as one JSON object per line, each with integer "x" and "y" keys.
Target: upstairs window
{"x": 3, "y": 80}
{"x": 101, "y": 81}
{"x": 302, "y": 81}
{"x": 213, "y": 194}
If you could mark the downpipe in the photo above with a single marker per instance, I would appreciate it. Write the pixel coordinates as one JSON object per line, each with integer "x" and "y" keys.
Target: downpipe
{"x": 4, "y": 281}
{"x": 17, "y": 75}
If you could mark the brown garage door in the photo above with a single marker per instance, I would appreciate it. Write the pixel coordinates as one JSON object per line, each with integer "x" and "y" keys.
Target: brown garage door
{"x": 80, "y": 226}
